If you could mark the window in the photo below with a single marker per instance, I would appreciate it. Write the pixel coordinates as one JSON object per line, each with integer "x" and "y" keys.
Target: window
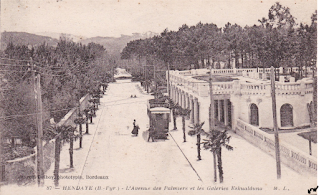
{"x": 254, "y": 118}
{"x": 286, "y": 115}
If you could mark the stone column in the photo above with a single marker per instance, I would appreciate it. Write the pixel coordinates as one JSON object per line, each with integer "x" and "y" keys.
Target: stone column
{"x": 192, "y": 110}
{"x": 226, "y": 112}
{"x": 176, "y": 95}
{"x": 183, "y": 100}
{"x": 196, "y": 111}
{"x": 219, "y": 110}
{"x": 188, "y": 106}
{"x": 173, "y": 94}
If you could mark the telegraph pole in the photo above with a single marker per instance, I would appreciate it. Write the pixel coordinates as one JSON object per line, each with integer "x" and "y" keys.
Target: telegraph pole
{"x": 212, "y": 115}
{"x": 40, "y": 133}
{"x": 112, "y": 74}
{"x": 274, "y": 113}
{"x": 168, "y": 84}
{"x": 314, "y": 94}
{"x": 38, "y": 103}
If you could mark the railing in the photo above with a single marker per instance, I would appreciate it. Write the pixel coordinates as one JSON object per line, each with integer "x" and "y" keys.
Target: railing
{"x": 222, "y": 88}
{"x": 223, "y": 71}
{"x": 240, "y": 70}
{"x": 290, "y": 152}
{"x": 288, "y": 88}
{"x": 254, "y": 89}
{"x": 201, "y": 88}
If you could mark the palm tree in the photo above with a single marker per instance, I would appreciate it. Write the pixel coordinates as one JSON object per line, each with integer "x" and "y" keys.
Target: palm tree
{"x": 61, "y": 133}
{"x": 87, "y": 116}
{"x": 174, "y": 107}
{"x": 197, "y": 129}
{"x": 80, "y": 120}
{"x": 217, "y": 139}
{"x": 183, "y": 112}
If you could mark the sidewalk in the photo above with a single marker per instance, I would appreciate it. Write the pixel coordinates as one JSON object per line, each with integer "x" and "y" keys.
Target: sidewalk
{"x": 245, "y": 165}
{"x": 299, "y": 142}
{"x": 79, "y": 156}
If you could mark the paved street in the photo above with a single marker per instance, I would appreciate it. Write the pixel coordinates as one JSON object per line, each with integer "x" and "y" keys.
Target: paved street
{"x": 130, "y": 160}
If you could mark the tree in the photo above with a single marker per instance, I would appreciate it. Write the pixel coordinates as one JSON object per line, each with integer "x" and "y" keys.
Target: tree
{"x": 233, "y": 36}
{"x": 174, "y": 107}
{"x": 277, "y": 45}
{"x": 217, "y": 139}
{"x": 197, "y": 129}
{"x": 18, "y": 106}
{"x": 79, "y": 121}
{"x": 183, "y": 112}
{"x": 61, "y": 134}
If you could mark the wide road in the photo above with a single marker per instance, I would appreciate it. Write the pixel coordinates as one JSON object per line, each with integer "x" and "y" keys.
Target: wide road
{"x": 128, "y": 160}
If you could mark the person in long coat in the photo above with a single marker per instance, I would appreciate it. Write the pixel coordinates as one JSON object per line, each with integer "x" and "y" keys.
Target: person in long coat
{"x": 135, "y": 128}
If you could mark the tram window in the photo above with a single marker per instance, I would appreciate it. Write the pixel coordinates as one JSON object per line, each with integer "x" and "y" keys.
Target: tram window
{"x": 159, "y": 116}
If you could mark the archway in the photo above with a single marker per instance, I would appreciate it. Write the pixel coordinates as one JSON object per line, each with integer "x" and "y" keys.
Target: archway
{"x": 286, "y": 115}
{"x": 254, "y": 117}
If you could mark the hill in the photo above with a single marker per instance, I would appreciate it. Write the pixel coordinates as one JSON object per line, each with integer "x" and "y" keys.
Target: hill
{"x": 114, "y": 45}
{"x": 23, "y": 38}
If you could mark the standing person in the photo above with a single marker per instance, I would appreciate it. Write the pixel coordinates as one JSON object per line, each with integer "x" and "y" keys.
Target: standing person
{"x": 134, "y": 123}
{"x": 151, "y": 133}
{"x": 135, "y": 128}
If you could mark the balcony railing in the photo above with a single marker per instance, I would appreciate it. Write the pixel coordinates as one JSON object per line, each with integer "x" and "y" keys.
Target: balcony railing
{"x": 291, "y": 153}
{"x": 201, "y": 88}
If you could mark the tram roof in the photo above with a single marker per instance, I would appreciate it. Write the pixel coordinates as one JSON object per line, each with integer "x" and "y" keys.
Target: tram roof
{"x": 159, "y": 110}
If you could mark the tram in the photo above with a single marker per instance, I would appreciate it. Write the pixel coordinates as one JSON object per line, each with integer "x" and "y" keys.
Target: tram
{"x": 159, "y": 115}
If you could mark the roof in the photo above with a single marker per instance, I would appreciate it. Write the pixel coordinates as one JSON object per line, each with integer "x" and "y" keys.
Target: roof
{"x": 160, "y": 110}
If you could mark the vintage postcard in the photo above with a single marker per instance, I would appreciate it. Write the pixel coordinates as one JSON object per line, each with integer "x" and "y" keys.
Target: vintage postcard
{"x": 158, "y": 97}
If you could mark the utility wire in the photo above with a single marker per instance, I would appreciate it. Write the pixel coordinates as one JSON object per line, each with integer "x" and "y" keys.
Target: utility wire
{"x": 14, "y": 70}
{"x": 23, "y": 115}
{"x": 14, "y": 65}
{"x": 41, "y": 73}
{"x": 15, "y": 59}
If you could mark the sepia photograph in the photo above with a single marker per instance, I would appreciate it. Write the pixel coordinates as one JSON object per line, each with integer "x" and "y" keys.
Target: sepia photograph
{"x": 158, "y": 97}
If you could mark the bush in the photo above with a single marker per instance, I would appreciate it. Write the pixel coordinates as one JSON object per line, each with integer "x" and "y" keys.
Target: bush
{"x": 17, "y": 152}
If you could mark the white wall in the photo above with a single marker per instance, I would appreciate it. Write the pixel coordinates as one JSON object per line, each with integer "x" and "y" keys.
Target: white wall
{"x": 298, "y": 102}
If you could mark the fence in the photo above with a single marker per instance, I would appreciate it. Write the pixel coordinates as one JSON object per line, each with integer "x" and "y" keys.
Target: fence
{"x": 23, "y": 170}
{"x": 291, "y": 156}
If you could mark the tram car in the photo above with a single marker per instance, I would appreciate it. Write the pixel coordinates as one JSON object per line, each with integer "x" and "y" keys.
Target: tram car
{"x": 159, "y": 115}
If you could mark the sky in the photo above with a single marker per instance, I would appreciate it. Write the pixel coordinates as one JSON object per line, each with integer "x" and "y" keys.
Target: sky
{"x": 111, "y": 18}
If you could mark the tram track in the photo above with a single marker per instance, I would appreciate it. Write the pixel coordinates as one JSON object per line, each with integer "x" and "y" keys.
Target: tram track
{"x": 199, "y": 178}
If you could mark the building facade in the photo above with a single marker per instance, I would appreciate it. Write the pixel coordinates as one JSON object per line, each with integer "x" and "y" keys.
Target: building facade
{"x": 247, "y": 96}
